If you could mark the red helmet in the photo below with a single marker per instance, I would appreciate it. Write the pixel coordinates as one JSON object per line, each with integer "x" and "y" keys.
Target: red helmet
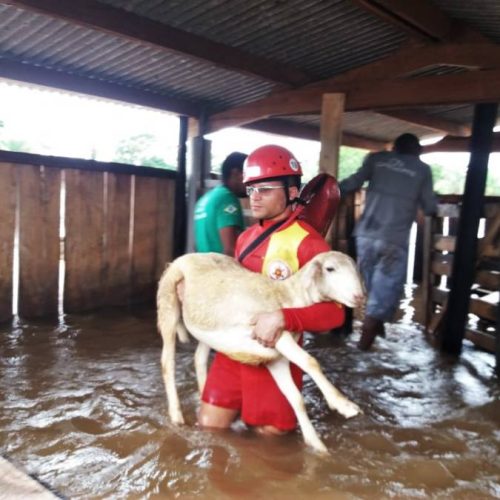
{"x": 270, "y": 161}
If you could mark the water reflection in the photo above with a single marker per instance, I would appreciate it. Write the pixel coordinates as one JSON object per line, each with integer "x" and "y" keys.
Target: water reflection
{"x": 83, "y": 408}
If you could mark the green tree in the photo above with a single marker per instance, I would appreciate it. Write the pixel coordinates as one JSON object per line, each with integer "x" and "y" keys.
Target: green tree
{"x": 17, "y": 145}
{"x": 136, "y": 150}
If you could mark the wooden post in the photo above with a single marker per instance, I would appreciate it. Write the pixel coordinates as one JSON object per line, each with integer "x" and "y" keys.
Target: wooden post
{"x": 332, "y": 109}
{"x": 180, "y": 222}
{"x": 199, "y": 162}
{"x": 497, "y": 342}
{"x": 331, "y": 136}
{"x": 465, "y": 250}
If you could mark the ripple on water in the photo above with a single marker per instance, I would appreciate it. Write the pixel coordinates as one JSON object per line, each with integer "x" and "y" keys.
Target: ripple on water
{"x": 85, "y": 410}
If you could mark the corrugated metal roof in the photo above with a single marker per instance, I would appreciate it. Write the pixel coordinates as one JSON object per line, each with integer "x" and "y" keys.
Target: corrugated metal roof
{"x": 484, "y": 15}
{"x": 39, "y": 40}
{"x": 320, "y": 38}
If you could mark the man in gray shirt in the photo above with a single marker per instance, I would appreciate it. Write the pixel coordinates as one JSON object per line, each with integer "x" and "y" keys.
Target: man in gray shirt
{"x": 398, "y": 184}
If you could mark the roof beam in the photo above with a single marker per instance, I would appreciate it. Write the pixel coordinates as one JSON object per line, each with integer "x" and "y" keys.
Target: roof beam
{"x": 462, "y": 88}
{"x": 422, "y": 20}
{"x": 63, "y": 81}
{"x": 429, "y": 121}
{"x": 404, "y": 62}
{"x": 458, "y": 145}
{"x": 310, "y": 132}
{"x": 101, "y": 17}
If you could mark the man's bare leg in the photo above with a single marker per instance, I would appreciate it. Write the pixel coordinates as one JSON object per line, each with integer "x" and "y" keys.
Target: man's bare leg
{"x": 216, "y": 417}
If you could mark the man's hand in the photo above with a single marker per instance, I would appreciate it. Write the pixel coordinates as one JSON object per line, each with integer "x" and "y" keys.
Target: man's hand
{"x": 267, "y": 327}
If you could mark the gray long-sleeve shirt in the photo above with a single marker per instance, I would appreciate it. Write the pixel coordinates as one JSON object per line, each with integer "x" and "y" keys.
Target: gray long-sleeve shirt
{"x": 397, "y": 186}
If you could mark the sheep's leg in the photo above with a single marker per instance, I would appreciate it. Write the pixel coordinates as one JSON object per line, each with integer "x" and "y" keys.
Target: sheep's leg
{"x": 280, "y": 370}
{"x": 168, "y": 372}
{"x": 287, "y": 346}
{"x": 200, "y": 364}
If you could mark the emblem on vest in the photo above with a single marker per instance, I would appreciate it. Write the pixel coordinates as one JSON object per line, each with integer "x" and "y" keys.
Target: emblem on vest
{"x": 278, "y": 270}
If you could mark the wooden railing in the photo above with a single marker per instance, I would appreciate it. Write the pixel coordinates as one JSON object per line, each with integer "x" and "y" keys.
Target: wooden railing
{"x": 107, "y": 228}
{"x": 438, "y": 262}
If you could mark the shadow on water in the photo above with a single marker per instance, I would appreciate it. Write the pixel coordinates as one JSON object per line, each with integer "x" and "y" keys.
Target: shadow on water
{"x": 83, "y": 408}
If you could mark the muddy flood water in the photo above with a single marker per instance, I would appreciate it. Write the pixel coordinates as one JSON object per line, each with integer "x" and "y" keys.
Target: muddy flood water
{"x": 83, "y": 409}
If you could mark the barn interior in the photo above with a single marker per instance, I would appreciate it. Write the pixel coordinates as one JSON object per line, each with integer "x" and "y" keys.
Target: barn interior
{"x": 343, "y": 72}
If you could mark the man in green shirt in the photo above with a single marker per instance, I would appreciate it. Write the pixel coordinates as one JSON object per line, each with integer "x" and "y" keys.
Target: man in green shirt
{"x": 218, "y": 218}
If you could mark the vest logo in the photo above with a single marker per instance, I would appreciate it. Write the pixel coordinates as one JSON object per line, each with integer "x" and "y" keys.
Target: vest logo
{"x": 230, "y": 209}
{"x": 278, "y": 270}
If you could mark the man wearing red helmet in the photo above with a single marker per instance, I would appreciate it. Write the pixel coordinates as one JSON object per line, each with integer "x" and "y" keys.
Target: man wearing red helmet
{"x": 277, "y": 246}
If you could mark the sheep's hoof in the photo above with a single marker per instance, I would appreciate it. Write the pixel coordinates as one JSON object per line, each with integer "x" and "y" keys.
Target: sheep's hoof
{"x": 177, "y": 418}
{"x": 349, "y": 409}
{"x": 319, "y": 447}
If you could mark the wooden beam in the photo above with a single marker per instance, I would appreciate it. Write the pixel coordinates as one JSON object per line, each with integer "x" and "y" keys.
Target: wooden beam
{"x": 404, "y": 62}
{"x": 310, "y": 132}
{"x": 63, "y": 81}
{"x": 467, "y": 87}
{"x": 108, "y": 19}
{"x": 458, "y": 145}
{"x": 332, "y": 111}
{"x": 408, "y": 60}
{"x": 429, "y": 121}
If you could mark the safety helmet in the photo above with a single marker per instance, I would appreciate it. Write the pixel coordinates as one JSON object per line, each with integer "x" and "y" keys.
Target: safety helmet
{"x": 270, "y": 161}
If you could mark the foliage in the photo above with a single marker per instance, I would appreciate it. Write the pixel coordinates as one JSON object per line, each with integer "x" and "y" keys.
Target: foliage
{"x": 136, "y": 150}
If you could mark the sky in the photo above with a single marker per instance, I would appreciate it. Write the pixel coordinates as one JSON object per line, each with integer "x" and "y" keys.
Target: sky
{"x": 66, "y": 124}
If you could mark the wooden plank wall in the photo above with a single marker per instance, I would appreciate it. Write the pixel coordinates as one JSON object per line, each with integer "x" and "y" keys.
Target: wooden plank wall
{"x": 39, "y": 203}
{"x": 118, "y": 237}
{"x": 7, "y": 225}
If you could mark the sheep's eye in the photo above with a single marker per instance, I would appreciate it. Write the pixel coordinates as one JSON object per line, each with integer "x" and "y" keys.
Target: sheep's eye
{"x": 330, "y": 269}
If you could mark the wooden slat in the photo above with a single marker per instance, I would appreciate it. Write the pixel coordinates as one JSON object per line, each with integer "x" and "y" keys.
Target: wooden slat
{"x": 165, "y": 231}
{"x": 39, "y": 247}
{"x": 144, "y": 239}
{"x": 481, "y": 339}
{"x": 488, "y": 279}
{"x": 117, "y": 252}
{"x": 83, "y": 288}
{"x": 444, "y": 243}
{"x": 439, "y": 295}
{"x": 483, "y": 309}
{"x": 448, "y": 210}
{"x": 491, "y": 210}
{"x": 442, "y": 265}
{"x": 7, "y": 224}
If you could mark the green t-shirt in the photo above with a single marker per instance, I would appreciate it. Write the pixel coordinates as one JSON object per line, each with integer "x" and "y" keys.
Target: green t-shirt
{"x": 216, "y": 209}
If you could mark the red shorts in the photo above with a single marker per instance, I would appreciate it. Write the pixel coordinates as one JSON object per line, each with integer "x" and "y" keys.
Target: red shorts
{"x": 252, "y": 391}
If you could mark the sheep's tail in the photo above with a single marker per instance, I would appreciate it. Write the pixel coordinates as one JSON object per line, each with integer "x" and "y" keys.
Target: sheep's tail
{"x": 169, "y": 306}
{"x": 169, "y": 318}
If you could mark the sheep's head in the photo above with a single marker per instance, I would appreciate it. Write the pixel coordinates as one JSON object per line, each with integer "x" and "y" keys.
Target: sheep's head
{"x": 334, "y": 276}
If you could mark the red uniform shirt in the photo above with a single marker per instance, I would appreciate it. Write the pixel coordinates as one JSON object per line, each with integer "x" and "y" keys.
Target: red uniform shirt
{"x": 251, "y": 389}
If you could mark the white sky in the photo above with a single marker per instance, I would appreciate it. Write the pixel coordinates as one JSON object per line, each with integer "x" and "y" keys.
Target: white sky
{"x": 65, "y": 124}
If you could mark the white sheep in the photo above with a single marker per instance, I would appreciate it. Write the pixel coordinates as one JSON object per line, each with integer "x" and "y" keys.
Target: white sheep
{"x": 220, "y": 299}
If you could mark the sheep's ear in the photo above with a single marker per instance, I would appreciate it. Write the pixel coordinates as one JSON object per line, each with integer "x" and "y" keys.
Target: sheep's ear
{"x": 313, "y": 273}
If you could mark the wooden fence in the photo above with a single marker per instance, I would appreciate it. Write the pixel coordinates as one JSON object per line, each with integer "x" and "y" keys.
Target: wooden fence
{"x": 110, "y": 225}
{"x": 438, "y": 262}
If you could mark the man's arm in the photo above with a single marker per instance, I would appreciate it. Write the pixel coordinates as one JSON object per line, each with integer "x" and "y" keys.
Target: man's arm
{"x": 228, "y": 236}
{"x": 268, "y": 327}
{"x": 356, "y": 180}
